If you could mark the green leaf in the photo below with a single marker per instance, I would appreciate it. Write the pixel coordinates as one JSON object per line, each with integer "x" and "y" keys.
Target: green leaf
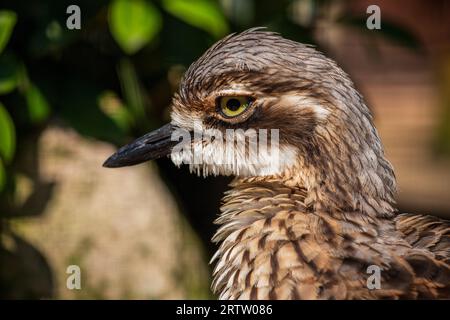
{"x": 203, "y": 14}
{"x": 133, "y": 23}
{"x": 131, "y": 90}
{"x": 2, "y": 176}
{"x": 7, "y": 21}
{"x": 38, "y": 107}
{"x": 7, "y": 135}
{"x": 8, "y": 74}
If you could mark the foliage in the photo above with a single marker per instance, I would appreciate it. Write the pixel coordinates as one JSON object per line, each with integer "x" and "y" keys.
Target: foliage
{"x": 7, "y": 21}
{"x": 202, "y": 14}
{"x": 133, "y": 23}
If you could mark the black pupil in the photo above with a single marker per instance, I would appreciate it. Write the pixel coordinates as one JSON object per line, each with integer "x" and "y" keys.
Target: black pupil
{"x": 233, "y": 104}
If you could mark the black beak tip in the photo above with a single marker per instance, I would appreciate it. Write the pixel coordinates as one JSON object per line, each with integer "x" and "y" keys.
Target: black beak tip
{"x": 153, "y": 145}
{"x": 110, "y": 162}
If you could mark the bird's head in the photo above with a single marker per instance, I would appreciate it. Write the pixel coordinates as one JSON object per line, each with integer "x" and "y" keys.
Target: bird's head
{"x": 258, "y": 105}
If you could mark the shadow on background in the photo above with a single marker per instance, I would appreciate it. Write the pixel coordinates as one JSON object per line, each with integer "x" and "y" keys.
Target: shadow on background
{"x": 24, "y": 272}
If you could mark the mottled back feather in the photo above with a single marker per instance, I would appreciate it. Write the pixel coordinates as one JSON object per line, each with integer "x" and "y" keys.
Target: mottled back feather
{"x": 274, "y": 248}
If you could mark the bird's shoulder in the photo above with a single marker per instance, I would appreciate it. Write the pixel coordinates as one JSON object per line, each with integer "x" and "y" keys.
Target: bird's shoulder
{"x": 426, "y": 232}
{"x": 274, "y": 247}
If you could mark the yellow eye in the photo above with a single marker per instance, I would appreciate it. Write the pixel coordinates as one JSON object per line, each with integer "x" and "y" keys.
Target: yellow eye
{"x": 233, "y": 106}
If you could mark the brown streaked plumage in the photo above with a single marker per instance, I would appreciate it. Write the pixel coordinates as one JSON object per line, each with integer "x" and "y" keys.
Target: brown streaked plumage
{"x": 310, "y": 228}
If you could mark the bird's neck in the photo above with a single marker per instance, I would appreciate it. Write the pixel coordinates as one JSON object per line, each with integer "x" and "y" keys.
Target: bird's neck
{"x": 343, "y": 189}
{"x": 253, "y": 211}
{"x": 259, "y": 216}
{"x": 343, "y": 174}
{"x": 253, "y": 198}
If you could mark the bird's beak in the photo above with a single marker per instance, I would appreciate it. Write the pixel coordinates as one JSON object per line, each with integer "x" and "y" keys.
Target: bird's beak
{"x": 153, "y": 145}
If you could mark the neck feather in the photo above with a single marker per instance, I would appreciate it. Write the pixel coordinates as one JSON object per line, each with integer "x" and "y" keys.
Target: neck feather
{"x": 259, "y": 218}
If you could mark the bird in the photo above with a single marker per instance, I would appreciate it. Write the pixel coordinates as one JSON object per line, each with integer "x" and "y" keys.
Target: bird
{"x": 315, "y": 221}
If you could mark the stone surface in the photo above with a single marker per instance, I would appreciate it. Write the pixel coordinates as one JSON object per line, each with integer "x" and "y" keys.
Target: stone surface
{"x": 121, "y": 227}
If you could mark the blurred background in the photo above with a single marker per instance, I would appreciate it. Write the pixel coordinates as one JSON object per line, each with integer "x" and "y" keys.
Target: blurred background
{"x": 68, "y": 98}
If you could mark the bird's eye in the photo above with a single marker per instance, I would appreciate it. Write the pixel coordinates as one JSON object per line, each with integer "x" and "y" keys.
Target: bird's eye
{"x": 233, "y": 106}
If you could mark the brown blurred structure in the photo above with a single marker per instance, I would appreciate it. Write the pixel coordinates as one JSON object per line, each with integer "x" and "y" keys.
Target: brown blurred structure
{"x": 403, "y": 88}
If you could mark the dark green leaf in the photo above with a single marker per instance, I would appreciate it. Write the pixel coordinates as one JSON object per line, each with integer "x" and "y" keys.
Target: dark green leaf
{"x": 7, "y": 135}
{"x": 203, "y": 14}
{"x": 2, "y": 176}
{"x": 132, "y": 91}
{"x": 38, "y": 107}
{"x": 133, "y": 23}
{"x": 7, "y": 21}
{"x": 8, "y": 74}
{"x": 81, "y": 110}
